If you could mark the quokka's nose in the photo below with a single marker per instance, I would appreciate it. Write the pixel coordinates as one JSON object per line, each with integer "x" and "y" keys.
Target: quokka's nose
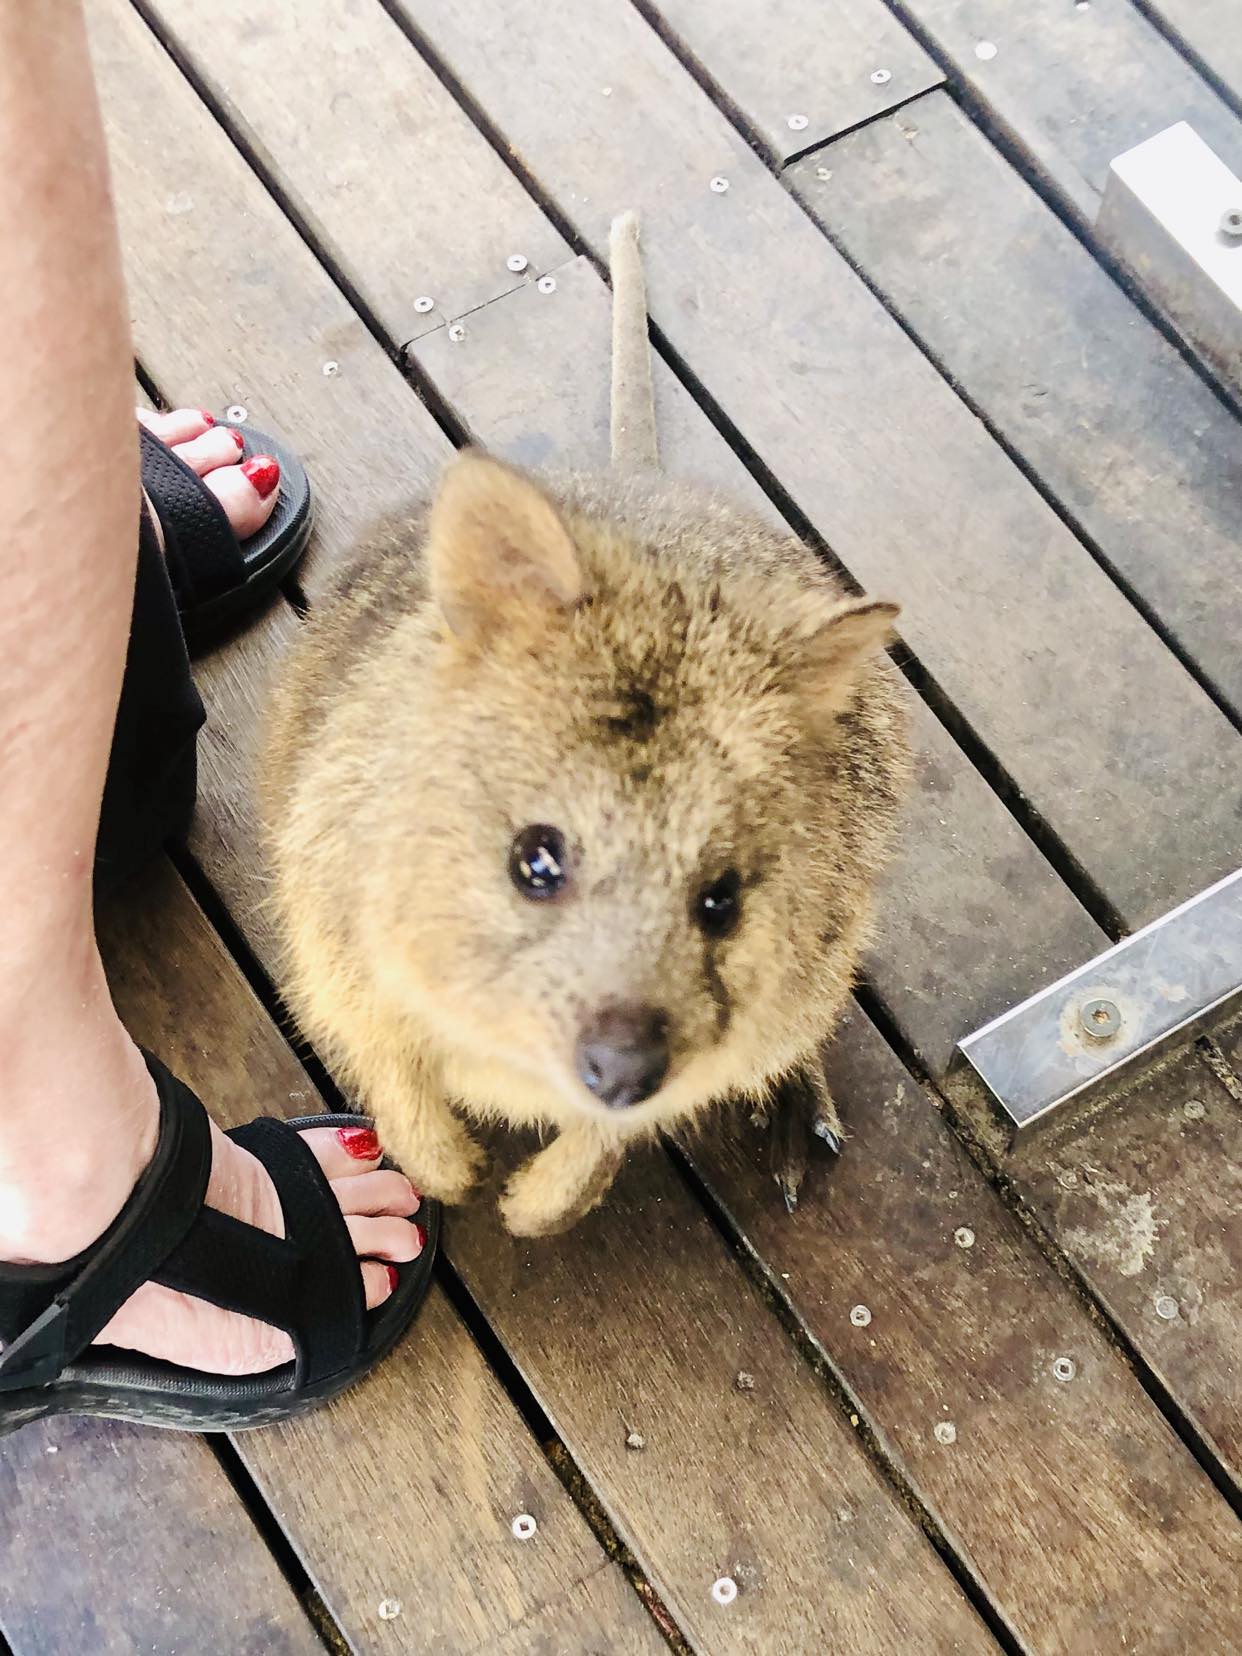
{"x": 623, "y": 1055}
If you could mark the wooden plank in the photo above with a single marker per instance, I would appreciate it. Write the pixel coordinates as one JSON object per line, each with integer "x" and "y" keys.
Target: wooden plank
{"x": 1073, "y": 1501}
{"x": 1072, "y": 86}
{"x": 362, "y": 1487}
{"x": 1098, "y": 725}
{"x": 120, "y": 1542}
{"x": 801, "y": 74}
{"x": 1209, "y": 29}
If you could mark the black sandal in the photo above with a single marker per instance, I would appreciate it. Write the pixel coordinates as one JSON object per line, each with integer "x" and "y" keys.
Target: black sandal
{"x": 307, "y": 1283}
{"x": 216, "y": 577}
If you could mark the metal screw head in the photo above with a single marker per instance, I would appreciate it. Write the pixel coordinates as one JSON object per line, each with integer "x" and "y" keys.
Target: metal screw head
{"x": 330, "y": 369}
{"x": 546, "y": 284}
{"x": 524, "y": 1526}
{"x": 744, "y": 1381}
{"x": 389, "y": 1609}
{"x": 985, "y": 50}
{"x": 798, "y": 123}
{"x": 424, "y": 303}
{"x": 1194, "y": 1109}
{"x": 1231, "y": 222}
{"x": 724, "y": 1591}
{"x": 881, "y": 77}
{"x": 1101, "y": 1019}
{"x": 1166, "y": 1307}
{"x": 944, "y": 1431}
{"x": 860, "y": 1316}
{"x": 456, "y": 333}
{"x": 1063, "y": 1368}
{"x": 236, "y": 414}
{"x": 964, "y": 1236}
{"x": 517, "y": 262}
{"x": 720, "y": 185}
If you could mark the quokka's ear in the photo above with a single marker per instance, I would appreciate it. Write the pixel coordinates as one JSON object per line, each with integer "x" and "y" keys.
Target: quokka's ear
{"x": 497, "y": 546}
{"x": 840, "y": 646}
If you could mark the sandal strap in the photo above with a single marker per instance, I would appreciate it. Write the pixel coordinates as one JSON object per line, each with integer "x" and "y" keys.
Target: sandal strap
{"x": 83, "y": 1295}
{"x": 306, "y": 1282}
{"x": 203, "y": 554}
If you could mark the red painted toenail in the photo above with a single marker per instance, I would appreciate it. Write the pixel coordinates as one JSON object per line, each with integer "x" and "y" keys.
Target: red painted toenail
{"x": 422, "y": 1237}
{"x": 394, "y": 1277}
{"x": 204, "y": 415}
{"x": 359, "y": 1142}
{"x": 237, "y": 437}
{"x": 263, "y": 472}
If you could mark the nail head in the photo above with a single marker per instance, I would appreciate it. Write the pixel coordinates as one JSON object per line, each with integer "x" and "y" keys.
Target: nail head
{"x": 517, "y": 262}
{"x": 1063, "y": 1368}
{"x": 881, "y": 77}
{"x": 944, "y": 1431}
{"x": 330, "y": 369}
{"x": 798, "y": 123}
{"x": 1166, "y": 1307}
{"x": 456, "y": 333}
{"x": 236, "y": 414}
{"x": 860, "y": 1316}
{"x": 424, "y": 303}
{"x": 724, "y": 1590}
{"x": 389, "y": 1609}
{"x": 964, "y": 1236}
{"x": 546, "y": 284}
{"x": 720, "y": 185}
{"x": 524, "y": 1526}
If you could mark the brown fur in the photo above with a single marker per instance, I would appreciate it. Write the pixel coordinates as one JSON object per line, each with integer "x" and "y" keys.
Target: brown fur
{"x": 680, "y": 689}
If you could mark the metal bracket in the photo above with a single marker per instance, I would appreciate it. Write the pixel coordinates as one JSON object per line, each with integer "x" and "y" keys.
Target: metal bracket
{"x": 1167, "y": 979}
{"x": 1172, "y": 213}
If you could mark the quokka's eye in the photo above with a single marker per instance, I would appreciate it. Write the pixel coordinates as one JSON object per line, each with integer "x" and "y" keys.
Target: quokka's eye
{"x": 718, "y": 907}
{"x": 538, "y": 863}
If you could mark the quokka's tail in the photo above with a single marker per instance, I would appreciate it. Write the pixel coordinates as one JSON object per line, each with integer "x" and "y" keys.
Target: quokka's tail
{"x": 633, "y": 409}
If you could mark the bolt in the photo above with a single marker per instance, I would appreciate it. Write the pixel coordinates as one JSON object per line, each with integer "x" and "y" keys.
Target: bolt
{"x": 1166, "y": 1307}
{"x": 881, "y": 77}
{"x": 517, "y": 263}
{"x": 720, "y": 185}
{"x": 524, "y": 1526}
{"x": 860, "y": 1316}
{"x": 985, "y": 50}
{"x": 944, "y": 1431}
{"x": 1101, "y": 1019}
{"x": 330, "y": 369}
{"x": 424, "y": 303}
{"x": 546, "y": 284}
{"x": 798, "y": 123}
{"x": 236, "y": 415}
{"x": 1231, "y": 222}
{"x": 964, "y": 1236}
{"x": 389, "y": 1609}
{"x": 1063, "y": 1368}
{"x": 724, "y": 1591}
{"x": 456, "y": 333}
{"x": 635, "y": 1440}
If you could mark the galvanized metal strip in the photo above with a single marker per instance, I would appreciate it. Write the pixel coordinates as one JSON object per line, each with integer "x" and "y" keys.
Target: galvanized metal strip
{"x": 1165, "y": 979}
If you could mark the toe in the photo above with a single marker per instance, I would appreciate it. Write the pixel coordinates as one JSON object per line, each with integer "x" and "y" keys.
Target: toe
{"x": 342, "y": 1151}
{"x": 180, "y": 425}
{"x": 378, "y": 1281}
{"x": 377, "y": 1194}
{"x": 247, "y": 492}
{"x": 217, "y": 446}
{"x": 394, "y": 1239}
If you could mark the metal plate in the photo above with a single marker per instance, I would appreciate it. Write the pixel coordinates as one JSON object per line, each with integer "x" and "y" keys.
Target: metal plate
{"x": 1165, "y": 979}
{"x": 1170, "y": 214}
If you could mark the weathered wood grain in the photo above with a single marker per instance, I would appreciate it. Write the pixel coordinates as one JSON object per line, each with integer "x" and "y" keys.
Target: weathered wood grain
{"x": 1097, "y": 724}
{"x": 406, "y": 1486}
{"x": 815, "y": 64}
{"x": 1073, "y": 86}
{"x": 119, "y": 1542}
{"x": 1210, "y": 29}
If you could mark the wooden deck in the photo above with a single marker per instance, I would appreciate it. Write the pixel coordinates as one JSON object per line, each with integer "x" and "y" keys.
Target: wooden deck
{"x": 893, "y": 330}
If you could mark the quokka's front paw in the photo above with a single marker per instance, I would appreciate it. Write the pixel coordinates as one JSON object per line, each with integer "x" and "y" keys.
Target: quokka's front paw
{"x": 445, "y": 1167}
{"x": 560, "y": 1185}
{"x": 801, "y": 1105}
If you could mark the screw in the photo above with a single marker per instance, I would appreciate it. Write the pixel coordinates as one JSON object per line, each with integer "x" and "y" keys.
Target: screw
{"x": 881, "y": 77}
{"x": 860, "y": 1316}
{"x": 798, "y": 123}
{"x": 745, "y": 1382}
{"x": 1231, "y": 221}
{"x": 720, "y": 185}
{"x": 517, "y": 262}
{"x": 524, "y": 1526}
{"x": 823, "y": 173}
{"x": 423, "y": 304}
{"x": 724, "y": 1591}
{"x": 1101, "y": 1019}
{"x": 456, "y": 333}
{"x": 389, "y": 1609}
{"x": 1068, "y": 1179}
{"x": 546, "y": 284}
{"x": 236, "y": 414}
{"x": 1063, "y": 1368}
{"x": 1194, "y": 1109}
{"x": 1166, "y": 1307}
{"x": 985, "y": 50}
{"x": 944, "y": 1431}
{"x": 330, "y": 369}
{"x": 964, "y": 1236}
{"x": 635, "y": 1440}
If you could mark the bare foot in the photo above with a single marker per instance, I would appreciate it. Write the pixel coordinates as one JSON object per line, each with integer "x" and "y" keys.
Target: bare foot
{"x": 246, "y": 489}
